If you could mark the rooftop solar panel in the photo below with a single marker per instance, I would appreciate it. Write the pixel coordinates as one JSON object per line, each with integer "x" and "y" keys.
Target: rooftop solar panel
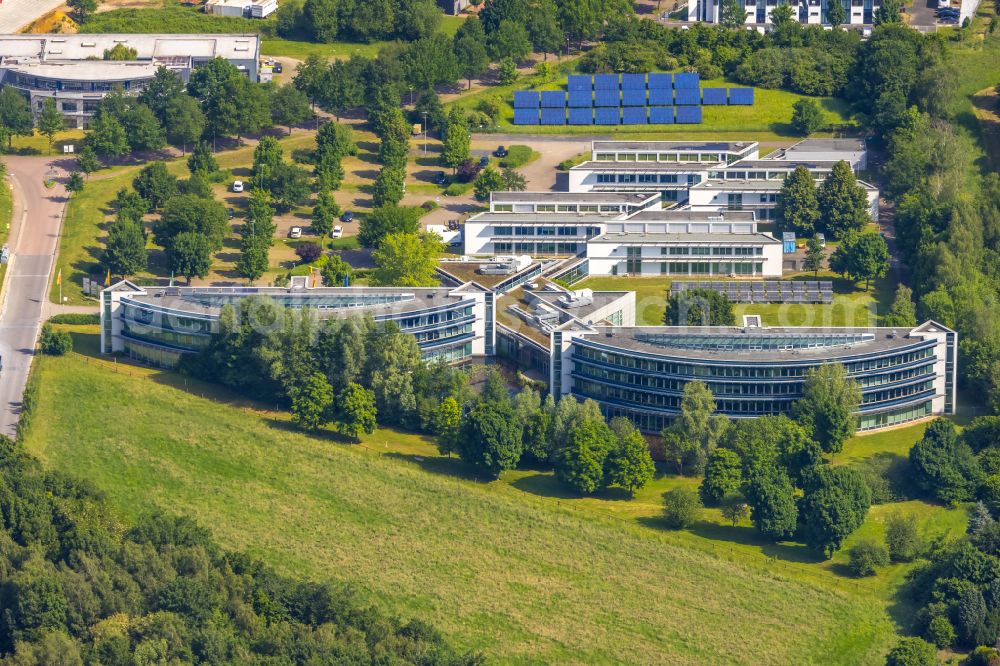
{"x": 525, "y": 116}
{"x": 553, "y": 99}
{"x": 579, "y": 82}
{"x": 525, "y": 99}
{"x": 581, "y": 98}
{"x": 604, "y": 116}
{"x": 581, "y": 116}
{"x": 661, "y": 115}
{"x": 660, "y": 81}
{"x": 633, "y": 81}
{"x": 606, "y": 98}
{"x": 711, "y": 96}
{"x": 741, "y": 96}
{"x": 554, "y": 116}
{"x": 605, "y": 82}
{"x": 686, "y": 80}
{"x": 661, "y": 96}
{"x": 634, "y": 97}
{"x": 634, "y": 115}
{"x": 687, "y": 97}
{"x": 688, "y": 115}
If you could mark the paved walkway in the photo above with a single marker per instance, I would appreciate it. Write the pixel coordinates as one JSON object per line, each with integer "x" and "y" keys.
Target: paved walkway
{"x": 34, "y": 240}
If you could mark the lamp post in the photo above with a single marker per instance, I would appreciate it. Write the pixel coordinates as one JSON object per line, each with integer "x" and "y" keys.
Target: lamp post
{"x": 425, "y": 132}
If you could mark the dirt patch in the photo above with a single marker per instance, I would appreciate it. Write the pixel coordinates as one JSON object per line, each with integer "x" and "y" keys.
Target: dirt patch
{"x": 986, "y": 106}
{"x": 57, "y": 21}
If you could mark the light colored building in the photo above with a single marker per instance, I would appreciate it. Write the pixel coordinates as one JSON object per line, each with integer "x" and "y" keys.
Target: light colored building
{"x": 70, "y": 68}
{"x": 242, "y": 8}
{"x": 159, "y": 325}
{"x": 810, "y": 12}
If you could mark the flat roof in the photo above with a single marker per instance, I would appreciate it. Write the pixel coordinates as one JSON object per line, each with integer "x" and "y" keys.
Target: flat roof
{"x": 756, "y": 238}
{"x": 80, "y": 46}
{"x": 782, "y": 163}
{"x": 828, "y": 145}
{"x": 744, "y": 184}
{"x": 95, "y": 70}
{"x": 633, "y": 198}
{"x": 600, "y": 299}
{"x": 719, "y": 146}
{"x": 756, "y": 345}
{"x": 551, "y": 218}
{"x": 688, "y": 215}
{"x": 599, "y": 165}
{"x": 208, "y": 301}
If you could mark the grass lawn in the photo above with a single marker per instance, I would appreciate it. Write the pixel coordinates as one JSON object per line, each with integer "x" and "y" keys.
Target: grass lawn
{"x": 289, "y": 48}
{"x": 6, "y": 210}
{"x": 768, "y": 118}
{"x": 38, "y": 144}
{"x": 169, "y": 16}
{"x": 852, "y": 305}
{"x": 515, "y": 567}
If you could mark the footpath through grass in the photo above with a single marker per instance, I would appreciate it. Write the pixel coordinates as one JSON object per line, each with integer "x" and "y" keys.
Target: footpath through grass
{"x": 514, "y": 567}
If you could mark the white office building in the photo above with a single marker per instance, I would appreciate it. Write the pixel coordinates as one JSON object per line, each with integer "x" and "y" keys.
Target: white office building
{"x": 809, "y": 12}
{"x": 71, "y": 69}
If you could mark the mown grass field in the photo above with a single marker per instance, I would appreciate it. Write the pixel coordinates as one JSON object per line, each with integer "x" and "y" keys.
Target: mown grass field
{"x": 517, "y": 567}
{"x": 852, "y": 304}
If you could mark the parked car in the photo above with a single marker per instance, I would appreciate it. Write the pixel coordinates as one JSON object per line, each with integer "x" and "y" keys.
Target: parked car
{"x": 348, "y": 216}
{"x": 440, "y": 178}
{"x": 484, "y": 162}
{"x": 237, "y": 186}
{"x": 231, "y": 213}
{"x": 295, "y": 232}
{"x": 338, "y": 231}
{"x": 500, "y": 152}
{"x": 277, "y": 67}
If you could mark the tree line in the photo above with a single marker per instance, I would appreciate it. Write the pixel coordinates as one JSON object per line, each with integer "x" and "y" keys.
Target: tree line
{"x": 83, "y": 586}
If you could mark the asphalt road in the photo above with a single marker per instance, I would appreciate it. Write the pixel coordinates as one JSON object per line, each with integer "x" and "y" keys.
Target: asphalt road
{"x": 16, "y": 14}
{"x": 34, "y": 240}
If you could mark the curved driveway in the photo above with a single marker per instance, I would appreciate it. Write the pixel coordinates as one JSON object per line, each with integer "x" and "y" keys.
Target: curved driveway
{"x": 33, "y": 240}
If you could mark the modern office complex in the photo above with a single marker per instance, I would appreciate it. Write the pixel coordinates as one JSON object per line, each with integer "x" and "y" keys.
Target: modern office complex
{"x": 812, "y": 12}
{"x": 640, "y": 372}
{"x": 72, "y": 69}
{"x": 157, "y": 325}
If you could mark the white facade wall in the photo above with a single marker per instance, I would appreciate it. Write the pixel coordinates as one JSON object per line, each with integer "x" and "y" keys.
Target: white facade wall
{"x": 809, "y": 12}
{"x": 611, "y": 258}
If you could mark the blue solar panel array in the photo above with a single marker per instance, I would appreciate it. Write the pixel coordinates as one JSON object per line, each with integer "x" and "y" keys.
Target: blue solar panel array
{"x": 659, "y": 81}
{"x": 634, "y": 97}
{"x": 554, "y": 99}
{"x": 605, "y": 82}
{"x": 741, "y": 96}
{"x": 525, "y": 116}
{"x": 633, "y": 81}
{"x": 687, "y": 80}
{"x": 688, "y": 115}
{"x": 629, "y": 99}
{"x": 606, "y": 116}
{"x": 661, "y": 115}
{"x": 634, "y": 115}
{"x": 554, "y": 116}
{"x": 709, "y": 96}
{"x": 524, "y": 99}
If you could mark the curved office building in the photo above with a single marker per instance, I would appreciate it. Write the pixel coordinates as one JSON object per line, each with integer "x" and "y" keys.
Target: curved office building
{"x": 640, "y": 372}
{"x": 157, "y": 325}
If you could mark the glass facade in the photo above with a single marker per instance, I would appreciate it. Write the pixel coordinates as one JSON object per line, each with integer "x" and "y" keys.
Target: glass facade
{"x": 897, "y": 384}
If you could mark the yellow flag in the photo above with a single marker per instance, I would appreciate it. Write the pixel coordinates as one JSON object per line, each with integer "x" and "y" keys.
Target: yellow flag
{"x": 59, "y": 277}
{"x": 107, "y": 280}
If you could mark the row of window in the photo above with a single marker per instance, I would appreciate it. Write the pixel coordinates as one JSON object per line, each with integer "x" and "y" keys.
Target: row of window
{"x": 895, "y": 417}
{"x": 165, "y": 337}
{"x": 536, "y": 248}
{"x": 589, "y": 232}
{"x": 714, "y": 251}
{"x": 435, "y": 318}
{"x": 695, "y": 268}
{"x": 710, "y": 158}
{"x": 584, "y": 353}
{"x": 442, "y": 333}
{"x": 648, "y": 178}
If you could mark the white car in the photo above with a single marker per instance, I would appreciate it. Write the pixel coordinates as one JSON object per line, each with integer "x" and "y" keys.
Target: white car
{"x": 237, "y": 186}
{"x": 338, "y": 231}
{"x": 295, "y": 232}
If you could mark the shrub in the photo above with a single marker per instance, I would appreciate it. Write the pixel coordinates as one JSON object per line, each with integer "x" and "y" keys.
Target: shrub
{"x": 911, "y": 652}
{"x": 901, "y": 537}
{"x": 76, "y": 319}
{"x": 940, "y": 632}
{"x": 983, "y": 656}
{"x": 517, "y": 156}
{"x": 681, "y": 509}
{"x": 457, "y": 189}
{"x": 887, "y": 476}
{"x": 867, "y": 557}
{"x": 54, "y": 342}
{"x": 308, "y": 252}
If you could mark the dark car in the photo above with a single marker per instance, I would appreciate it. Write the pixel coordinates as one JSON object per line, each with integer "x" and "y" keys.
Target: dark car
{"x": 500, "y": 152}
{"x": 231, "y": 213}
{"x": 440, "y": 178}
{"x": 277, "y": 67}
{"x": 484, "y": 161}
{"x": 347, "y": 217}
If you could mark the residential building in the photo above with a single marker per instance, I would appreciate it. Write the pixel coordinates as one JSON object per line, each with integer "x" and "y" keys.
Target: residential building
{"x": 71, "y": 69}
{"x": 810, "y": 12}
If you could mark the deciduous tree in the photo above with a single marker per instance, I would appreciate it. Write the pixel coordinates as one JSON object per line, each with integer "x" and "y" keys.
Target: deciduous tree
{"x": 798, "y": 207}
{"x": 829, "y": 399}
{"x": 843, "y": 204}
